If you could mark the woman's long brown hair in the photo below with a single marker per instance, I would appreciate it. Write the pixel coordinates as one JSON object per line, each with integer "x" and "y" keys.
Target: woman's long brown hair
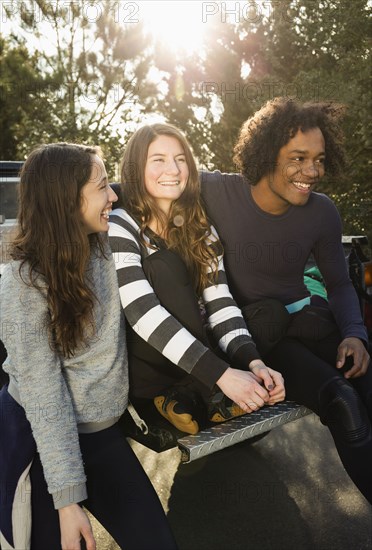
{"x": 51, "y": 239}
{"x": 186, "y": 228}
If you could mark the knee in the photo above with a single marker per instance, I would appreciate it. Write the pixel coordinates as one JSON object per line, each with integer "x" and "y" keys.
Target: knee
{"x": 342, "y": 410}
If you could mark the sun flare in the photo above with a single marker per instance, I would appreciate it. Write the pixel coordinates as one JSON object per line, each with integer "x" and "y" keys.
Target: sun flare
{"x": 177, "y": 25}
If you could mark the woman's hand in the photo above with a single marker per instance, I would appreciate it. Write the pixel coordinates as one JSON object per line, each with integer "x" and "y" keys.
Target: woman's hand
{"x": 244, "y": 388}
{"x": 74, "y": 524}
{"x": 271, "y": 379}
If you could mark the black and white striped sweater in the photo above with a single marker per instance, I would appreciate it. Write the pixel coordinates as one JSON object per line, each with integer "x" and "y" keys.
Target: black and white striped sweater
{"x": 159, "y": 328}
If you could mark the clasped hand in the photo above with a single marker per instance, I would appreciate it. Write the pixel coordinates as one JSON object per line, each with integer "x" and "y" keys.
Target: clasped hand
{"x": 252, "y": 390}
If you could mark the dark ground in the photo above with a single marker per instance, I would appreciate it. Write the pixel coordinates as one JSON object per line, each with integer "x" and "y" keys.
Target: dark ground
{"x": 288, "y": 491}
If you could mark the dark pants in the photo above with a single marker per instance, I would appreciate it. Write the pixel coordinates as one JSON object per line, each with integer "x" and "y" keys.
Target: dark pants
{"x": 120, "y": 495}
{"x": 303, "y": 347}
{"x": 149, "y": 371}
{"x": 311, "y": 379}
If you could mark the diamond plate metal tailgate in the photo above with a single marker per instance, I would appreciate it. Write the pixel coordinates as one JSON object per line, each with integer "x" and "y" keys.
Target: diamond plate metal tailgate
{"x": 239, "y": 429}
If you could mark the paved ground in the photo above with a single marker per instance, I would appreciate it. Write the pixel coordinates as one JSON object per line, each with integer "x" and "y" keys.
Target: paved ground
{"x": 286, "y": 492}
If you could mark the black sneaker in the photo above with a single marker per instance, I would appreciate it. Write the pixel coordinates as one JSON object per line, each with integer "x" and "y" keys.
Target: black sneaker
{"x": 221, "y": 408}
{"x": 182, "y": 408}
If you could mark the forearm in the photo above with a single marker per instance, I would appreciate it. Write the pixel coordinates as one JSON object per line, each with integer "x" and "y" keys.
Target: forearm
{"x": 330, "y": 258}
{"x": 227, "y": 323}
{"x": 344, "y": 304}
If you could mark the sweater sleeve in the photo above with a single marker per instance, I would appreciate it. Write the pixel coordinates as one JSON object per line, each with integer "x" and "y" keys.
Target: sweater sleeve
{"x": 226, "y": 320}
{"x": 330, "y": 258}
{"x": 144, "y": 312}
{"x": 37, "y": 373}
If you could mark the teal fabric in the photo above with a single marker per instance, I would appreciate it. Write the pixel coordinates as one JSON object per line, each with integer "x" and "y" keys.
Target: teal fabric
{"x": 314, "y": 282}
{"x": 296, "y": 306}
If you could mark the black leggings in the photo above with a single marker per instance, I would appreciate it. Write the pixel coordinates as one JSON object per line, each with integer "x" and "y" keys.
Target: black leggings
{"x": 121, "y": 497}
{"x": 345, "y": 406}
{"x": 149, "y": 371}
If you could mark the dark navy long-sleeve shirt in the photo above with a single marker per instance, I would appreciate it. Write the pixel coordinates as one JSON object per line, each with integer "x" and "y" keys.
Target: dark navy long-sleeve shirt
{"x": 265, "y": 254}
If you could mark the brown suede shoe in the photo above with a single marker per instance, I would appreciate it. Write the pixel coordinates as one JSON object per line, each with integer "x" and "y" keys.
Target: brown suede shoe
{"x": 183, "y": 408}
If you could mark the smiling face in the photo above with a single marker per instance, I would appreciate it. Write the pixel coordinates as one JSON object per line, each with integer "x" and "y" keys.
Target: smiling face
{"x": 166, "y": 171}
{"x": 96, "y": 199}
{"x": 299, "y": 166}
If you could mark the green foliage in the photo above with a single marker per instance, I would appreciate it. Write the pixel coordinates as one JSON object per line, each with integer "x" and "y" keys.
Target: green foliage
{"x": 22, "y": 93}
{"x": 90, "y": 82}
{"x": 97, "y": 75}
{"x": 313, "y": 50}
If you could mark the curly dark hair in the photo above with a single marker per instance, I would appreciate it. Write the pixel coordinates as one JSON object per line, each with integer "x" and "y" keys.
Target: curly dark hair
{"x": 269, "y": 129}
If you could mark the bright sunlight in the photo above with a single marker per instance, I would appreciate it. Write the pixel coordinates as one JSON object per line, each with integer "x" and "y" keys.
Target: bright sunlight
{"x": 176, "y": 24}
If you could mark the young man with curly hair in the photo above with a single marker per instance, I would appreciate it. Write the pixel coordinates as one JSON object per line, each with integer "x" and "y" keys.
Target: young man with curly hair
{"x": 270, "y": 220}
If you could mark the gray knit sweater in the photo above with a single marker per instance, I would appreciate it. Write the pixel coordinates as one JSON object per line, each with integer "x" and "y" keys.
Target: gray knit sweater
{"x": 61, "y": 396}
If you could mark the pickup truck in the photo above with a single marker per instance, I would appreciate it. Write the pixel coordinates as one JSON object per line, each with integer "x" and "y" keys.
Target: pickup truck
{"x": 150, "y": 428}
{"x": 9, "y": 177}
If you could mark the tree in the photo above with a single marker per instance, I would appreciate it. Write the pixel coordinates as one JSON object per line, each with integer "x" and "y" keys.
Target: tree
{"x": 19, "y": 80}
{"x": 336, "y": 40}
{"x": 98, "y": 68}
{"x": 312, "y": 50}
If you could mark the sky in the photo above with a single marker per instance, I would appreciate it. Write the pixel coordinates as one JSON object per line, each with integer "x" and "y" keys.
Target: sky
{"x": 178, "y": 23}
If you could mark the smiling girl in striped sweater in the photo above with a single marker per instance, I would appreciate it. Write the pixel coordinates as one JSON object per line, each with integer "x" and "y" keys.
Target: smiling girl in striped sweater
{"x": 175, "y": 295}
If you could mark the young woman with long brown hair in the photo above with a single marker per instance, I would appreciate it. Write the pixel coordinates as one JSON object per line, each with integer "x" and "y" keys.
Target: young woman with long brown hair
{"x": 63, "y": 329}
{"x": 174, "y": 292}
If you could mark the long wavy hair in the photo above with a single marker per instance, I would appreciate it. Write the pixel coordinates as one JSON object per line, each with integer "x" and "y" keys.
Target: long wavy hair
{"x": 51, "y": 240}
{"x": 186, "y": 228}
{"x": 269, "y": 129}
